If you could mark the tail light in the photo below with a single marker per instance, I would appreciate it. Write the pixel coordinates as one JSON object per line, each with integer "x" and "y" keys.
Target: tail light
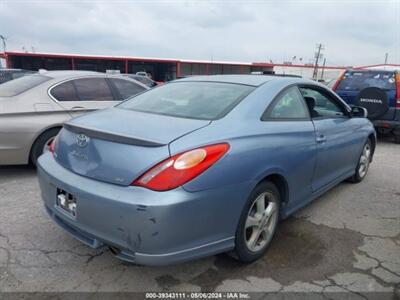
{"x": 397, "y": 90}
{"x": 181, "y": 168}
{"x": 52, "y": 145}
{"x": 335, "y": 86}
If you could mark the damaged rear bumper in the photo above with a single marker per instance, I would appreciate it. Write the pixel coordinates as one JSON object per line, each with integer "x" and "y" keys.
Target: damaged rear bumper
{"x": 140, "y": 225}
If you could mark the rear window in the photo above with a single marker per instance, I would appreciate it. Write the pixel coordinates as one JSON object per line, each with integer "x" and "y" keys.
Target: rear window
{"x": 65, "y": 92}
{"x": 127, "y": 88}
{"x": 193, "y": 100}
{"x": 356, "y": 81}
{"x": 22, "y": 84}
{"x": 143, "y": 79}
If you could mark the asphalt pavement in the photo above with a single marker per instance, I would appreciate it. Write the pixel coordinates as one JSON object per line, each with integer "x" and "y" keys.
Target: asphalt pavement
{"x": 348, "y": 240}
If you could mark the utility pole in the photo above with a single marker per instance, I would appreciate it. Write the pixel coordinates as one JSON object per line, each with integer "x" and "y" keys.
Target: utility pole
{"x": 386, "y": 58}
{"x": 318, "y": 55}
{"x": 323, "y": 69}
{"x": 3, "y": 38}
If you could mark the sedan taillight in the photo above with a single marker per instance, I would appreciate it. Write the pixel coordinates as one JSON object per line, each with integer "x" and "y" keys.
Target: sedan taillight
{"x": 52, "y": 145}
{"x": 181, "y": 168}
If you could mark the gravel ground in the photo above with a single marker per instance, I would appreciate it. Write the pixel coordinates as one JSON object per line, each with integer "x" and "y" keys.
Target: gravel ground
{"x": 348, "y": 241}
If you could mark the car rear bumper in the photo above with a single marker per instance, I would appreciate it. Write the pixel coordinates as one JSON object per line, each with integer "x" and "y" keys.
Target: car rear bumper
{"x": 144, "y": 226}
{"x": 387, "y": 126}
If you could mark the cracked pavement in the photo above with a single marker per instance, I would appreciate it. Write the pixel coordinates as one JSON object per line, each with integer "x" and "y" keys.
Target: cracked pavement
{"x": 347, "y": 241}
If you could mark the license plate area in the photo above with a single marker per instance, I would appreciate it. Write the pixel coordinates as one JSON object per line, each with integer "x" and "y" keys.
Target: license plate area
{"x": 66, "y": 202}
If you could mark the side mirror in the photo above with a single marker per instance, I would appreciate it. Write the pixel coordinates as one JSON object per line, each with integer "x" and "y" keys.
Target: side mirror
{"x": 359, "y": 112}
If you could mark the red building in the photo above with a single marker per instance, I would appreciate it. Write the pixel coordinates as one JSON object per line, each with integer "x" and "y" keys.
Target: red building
{"x": 159, "y": 68}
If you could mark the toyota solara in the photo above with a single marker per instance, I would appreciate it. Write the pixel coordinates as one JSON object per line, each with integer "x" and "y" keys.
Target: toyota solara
{"x": 202, "y": 165}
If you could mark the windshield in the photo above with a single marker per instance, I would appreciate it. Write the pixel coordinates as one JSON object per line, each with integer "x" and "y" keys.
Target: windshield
{"x": 20, "y": 85}
{"x": 356, "y": 81}
{"x": 194, "y": 100}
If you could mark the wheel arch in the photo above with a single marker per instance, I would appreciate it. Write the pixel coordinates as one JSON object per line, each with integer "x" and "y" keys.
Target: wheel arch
{"x": 281, "y": 183}
{"x": 372, "y": 138}
{"x": 39, "y": 133}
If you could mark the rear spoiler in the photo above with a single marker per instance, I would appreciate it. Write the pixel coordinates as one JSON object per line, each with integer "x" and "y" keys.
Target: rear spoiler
{"x": 113, "y": 137}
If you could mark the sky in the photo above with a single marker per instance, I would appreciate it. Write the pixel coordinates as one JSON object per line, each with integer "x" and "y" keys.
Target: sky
{"x": 352, "y": 32}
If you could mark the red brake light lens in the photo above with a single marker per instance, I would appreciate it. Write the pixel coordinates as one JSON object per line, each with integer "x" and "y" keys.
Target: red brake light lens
{"x": 181, "y": 168}
{"x": 397, "y": 79}
{"x": 52, "y": 145}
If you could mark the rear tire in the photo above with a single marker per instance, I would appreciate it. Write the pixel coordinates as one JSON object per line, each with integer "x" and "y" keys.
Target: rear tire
{"x": 363, "y": 163}
{"x": 41, "y": 143}
{"x": 258, "y": 223}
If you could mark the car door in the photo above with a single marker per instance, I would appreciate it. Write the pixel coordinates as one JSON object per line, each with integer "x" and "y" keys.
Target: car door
{"x": 291, "y": 143}
{"x": 81, "y": 95}
{"x": 335, "y": 136}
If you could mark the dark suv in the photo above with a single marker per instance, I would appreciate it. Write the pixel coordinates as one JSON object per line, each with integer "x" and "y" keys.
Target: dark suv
{"x": 376, "y": 90}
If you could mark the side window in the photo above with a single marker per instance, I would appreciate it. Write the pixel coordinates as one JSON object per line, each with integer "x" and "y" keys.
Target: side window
{"x": 289, "y": 105}
{"x": 126, "y": 88}
{"x": 64, "y": 92}
{"x": 93, "y": 89}
{"x": 320, "y": 105}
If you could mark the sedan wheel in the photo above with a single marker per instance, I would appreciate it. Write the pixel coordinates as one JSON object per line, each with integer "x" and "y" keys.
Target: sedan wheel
{"x": 261, "y": 222}
{"x": 41, "y": 145}
{"x": 365, "y": 159}
{"x": 362, "y": 164}
{"x": 258, "y": 222}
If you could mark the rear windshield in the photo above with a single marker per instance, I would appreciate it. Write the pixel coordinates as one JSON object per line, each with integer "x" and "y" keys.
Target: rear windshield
{"x": 143, "y": 79}
{"x": 193, "y": 100}
{"x": 356, "y": 81}
{"x": 20, "y": 85}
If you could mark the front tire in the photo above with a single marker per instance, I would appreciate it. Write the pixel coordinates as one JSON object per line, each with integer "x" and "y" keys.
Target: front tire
{"x": 363, "y": 163}
{"x": 397, "y": 138}
{"x": 41, "y": 144}
{"x": 258, "y": 223}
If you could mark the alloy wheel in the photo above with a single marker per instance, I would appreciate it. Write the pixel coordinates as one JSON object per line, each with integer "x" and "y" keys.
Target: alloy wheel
{"x": 261, "y": 222}
{"x": 364, "y": 160}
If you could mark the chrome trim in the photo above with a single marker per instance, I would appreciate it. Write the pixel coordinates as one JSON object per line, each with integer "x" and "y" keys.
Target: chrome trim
{"x": 93, "y": 76}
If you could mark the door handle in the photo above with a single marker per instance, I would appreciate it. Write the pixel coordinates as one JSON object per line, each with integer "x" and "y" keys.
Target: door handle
{"x": 77, "y": 107}
{"x": 321, "y": 138}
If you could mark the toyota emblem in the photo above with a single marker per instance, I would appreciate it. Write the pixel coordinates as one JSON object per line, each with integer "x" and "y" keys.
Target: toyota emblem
{"x": 82, "y": 140}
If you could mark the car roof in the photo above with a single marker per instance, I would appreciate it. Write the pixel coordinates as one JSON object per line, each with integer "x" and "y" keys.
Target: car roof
{"x": 370, "y": 70}
{"x": 61, "y": 74}
{"x": 247, "y": 79}
{"x": 8, "y": 70}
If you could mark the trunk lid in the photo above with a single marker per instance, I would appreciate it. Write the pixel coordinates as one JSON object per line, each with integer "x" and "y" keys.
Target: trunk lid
{"x": 117, "y": 145}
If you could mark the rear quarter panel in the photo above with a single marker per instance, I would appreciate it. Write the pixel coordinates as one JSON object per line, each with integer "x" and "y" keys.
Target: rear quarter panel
{"x": 257, "y": 149}
{"x": 22, "y": 119}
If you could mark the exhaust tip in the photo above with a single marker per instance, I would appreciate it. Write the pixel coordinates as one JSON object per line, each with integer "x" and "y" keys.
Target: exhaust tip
{"x": 115, "y": 250}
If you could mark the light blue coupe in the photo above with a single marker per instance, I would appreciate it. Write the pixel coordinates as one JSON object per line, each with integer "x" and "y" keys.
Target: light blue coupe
{"x": 202, "y": 165}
